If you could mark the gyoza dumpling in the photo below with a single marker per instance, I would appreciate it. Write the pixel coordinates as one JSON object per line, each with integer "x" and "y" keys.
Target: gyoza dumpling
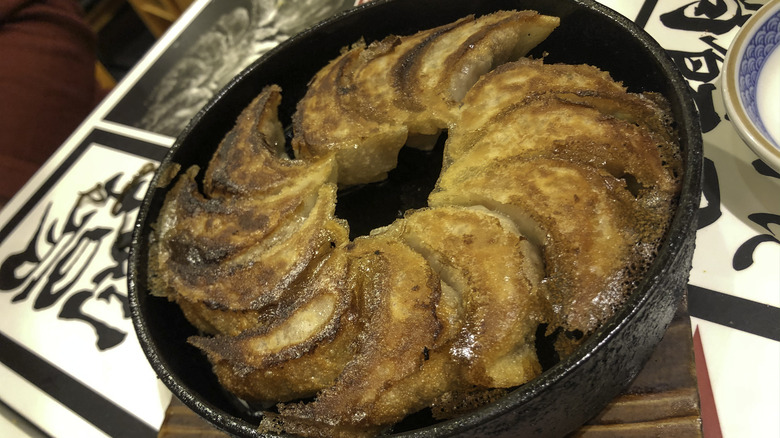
{"x": 585, "y": 221}
{"x": 365, "y": 104}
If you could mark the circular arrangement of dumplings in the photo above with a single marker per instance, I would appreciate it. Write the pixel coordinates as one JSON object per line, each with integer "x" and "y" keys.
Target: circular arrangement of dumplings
{"x": 556, "y": 186}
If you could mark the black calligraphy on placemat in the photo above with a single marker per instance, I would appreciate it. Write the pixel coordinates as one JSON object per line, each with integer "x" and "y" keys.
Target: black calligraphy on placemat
{"x": 711, "y": 211}
{"x": 764, "y": 169}
{"x": 709, "y": 21}
{"x": 743, "y": 257}
{"x": 56, "y": 254}
{"x": 62, "y": 251}
{"x": 702, "y": 67}
{"x": 734, "y": 312}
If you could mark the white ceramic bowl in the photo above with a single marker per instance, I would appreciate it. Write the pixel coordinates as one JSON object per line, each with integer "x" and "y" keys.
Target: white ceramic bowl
{"x": 751, "y": 83}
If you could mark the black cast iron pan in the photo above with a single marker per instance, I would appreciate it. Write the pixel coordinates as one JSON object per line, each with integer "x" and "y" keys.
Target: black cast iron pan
{"x": 568, "y": 393}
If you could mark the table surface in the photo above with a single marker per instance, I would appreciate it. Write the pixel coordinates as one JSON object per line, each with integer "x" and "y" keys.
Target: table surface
{"x": 69, "y": 359}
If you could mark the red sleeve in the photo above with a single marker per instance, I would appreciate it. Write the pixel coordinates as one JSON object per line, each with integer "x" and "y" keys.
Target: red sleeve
{"x": 47, "y": 83}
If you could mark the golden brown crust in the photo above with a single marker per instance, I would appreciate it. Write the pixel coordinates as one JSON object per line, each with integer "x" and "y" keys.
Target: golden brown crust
{"x": 364, "y": 104}
{"x": 302, "y": 349}
{"x": 589, "y": 171}
{"x": 515, "y": 81}
{"x": 218, "y": 253}
{"x": 517, "y": 87}
{"x": 398, "y": 309}
{"x": 324, "y": 123}
{"x": 557, "y": 188}
{"x": 222, "y": 277}
{"x": 553, "y": 127}
{"x": 582, "y": 218}
{"x": 252, "y": 158}
{"x": 495, "y": 273}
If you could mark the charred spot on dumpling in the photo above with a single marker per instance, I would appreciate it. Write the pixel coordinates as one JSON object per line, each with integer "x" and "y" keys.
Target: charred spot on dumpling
{"x": 188, "y": 252}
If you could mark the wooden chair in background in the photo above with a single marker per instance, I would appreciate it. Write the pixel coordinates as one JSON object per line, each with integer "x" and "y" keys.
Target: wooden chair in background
{"x": 98, "y": 14}
{"x": 157, "y": 16}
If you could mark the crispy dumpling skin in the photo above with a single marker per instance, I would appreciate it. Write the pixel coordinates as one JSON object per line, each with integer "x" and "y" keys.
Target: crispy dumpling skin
{"x": 251, "y": 159}
{"x": 584, "y": 220}
{"x": 574, "y": 110}
{"x": 214, "y": 280}
{"x": 496, "y": 274}
{"x": 551, "y": 114}
{"x": 302, "y": 349}
{"x": 397, "y": 297}
{"x": 488, "y": 312}
{"x": 365, "y": 104}
{"x": 555, "y": 192}
{"x": 550, "y": 127}
{"x": 419, "y": 80}
{"x": 518, "y": 80}
{"x": 365, "y": 149}
{"x": 483, "y": 322}
{"x": 230, "y": 251}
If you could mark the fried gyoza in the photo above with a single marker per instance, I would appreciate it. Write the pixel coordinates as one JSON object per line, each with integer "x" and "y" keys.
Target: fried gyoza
{"x": 419, "y": 80}
{"x": 210, "y": 276}
{"x": 576, "y": 112}
{"x": 587, "y": 170}
{"x": 583, "y": 219}
{"x": 397, "y": 303}
{"x": 516, "y": 81}
{"x": 365, "y": 103}
{"x": 316, "y": 329}
{"x": 549, "y": 127}
{"x": 557, "y": 187}
{"x": 480, "y": 330}
{"x": 251, "y": 159}
{"x": 223, "y": 257}
{"x": 494, "y": 273}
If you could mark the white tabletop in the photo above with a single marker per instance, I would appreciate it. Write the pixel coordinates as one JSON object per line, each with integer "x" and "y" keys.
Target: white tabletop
{"x": 69, "y": 359}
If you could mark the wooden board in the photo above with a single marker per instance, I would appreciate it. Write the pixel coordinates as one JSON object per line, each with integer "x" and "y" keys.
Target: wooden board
{"x": 662, "y": 401}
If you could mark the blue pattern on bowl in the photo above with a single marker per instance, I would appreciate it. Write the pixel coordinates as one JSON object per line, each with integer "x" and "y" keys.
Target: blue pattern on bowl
{"x": 764, "y": 41}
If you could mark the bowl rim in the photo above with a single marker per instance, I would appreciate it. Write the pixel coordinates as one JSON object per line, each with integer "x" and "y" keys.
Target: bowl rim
{"x": 751, "y": 134}
{"x": 683, "y": 219}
